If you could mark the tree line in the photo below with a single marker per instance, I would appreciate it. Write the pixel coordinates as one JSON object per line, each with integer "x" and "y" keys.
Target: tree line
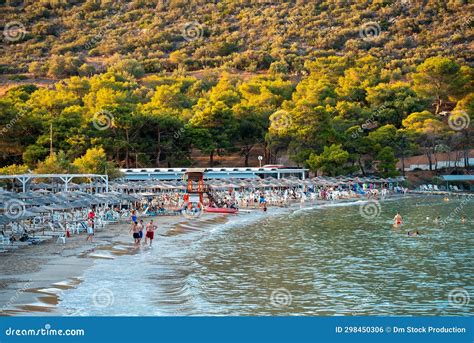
{"x": 347, "y": 115}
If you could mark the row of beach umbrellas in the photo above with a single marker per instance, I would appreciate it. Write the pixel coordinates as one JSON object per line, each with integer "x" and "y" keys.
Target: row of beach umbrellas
{"x": 20, "y": 206}
{"x": 158, "y": 185}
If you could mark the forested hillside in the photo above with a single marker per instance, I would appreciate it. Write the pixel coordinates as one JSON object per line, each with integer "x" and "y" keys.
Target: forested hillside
{"x": 339, "y": 86}
{"x": 165, "y": 35}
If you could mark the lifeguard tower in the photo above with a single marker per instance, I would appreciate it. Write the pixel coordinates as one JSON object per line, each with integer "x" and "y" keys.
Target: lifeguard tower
{"x": 195, "y": 189}
{"x": 195, "y": 193}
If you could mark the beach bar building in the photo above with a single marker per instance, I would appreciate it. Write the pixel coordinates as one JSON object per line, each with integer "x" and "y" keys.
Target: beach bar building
{"x": 450, "y": 179}
{"x": 140, "y": 174}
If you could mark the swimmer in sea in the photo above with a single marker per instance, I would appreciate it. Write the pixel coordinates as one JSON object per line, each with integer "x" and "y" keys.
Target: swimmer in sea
{"x": 397, "y": 220}
{"x": 437, "y": 220}
{"x": 463, "y": 219}
{"x": 413, "y": 233}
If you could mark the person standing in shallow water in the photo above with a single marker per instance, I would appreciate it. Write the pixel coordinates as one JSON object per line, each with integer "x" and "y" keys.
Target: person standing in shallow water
{"x": 140, "y": 231}
{"x": 135, "y": 232}
{"x": 397, "y": 220}
{"x": 150, "y": 232}
{"x": 134, "y": 216}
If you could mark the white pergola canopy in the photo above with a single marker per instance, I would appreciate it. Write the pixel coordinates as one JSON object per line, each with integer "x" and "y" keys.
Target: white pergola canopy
{"x": 97, "y": 179}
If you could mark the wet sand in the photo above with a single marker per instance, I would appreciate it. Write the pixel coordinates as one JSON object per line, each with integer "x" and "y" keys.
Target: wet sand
{"x": 33, "y": 278}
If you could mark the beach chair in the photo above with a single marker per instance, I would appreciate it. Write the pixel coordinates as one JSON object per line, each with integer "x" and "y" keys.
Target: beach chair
{"x": 108, "y": 218}
{"x": 455, "y": 188}
{"x": 435, "y": 187}
{"x": 54, "y": 231}
{"x": 99, "y": 224}
{"x": 76, "y": 228}
{"x": 4, "y": 240}
{"x": 83, "y": 226}
{"x": 62, "y": 227}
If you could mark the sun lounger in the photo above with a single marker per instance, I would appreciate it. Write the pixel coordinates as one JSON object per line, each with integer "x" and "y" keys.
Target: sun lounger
{"x": 99, "y": 224}
{"x": 54, "y": 231}
{"x": 78, "y": 227}
{"x": 4, "y": 240}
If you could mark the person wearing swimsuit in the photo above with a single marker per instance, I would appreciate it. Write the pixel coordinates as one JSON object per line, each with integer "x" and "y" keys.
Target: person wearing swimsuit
{"x": 136, "y": 235}
{"x": 397, "y": 220}
{"x": 150, "y": 232}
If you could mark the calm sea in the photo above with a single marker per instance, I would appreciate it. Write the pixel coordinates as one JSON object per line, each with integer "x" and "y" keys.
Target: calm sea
{"x": 331, "y": 259}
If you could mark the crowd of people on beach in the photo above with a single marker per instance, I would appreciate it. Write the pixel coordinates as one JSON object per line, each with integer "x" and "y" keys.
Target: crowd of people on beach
{"x": 178, "y": 202}
{"x": 255, "y": 198}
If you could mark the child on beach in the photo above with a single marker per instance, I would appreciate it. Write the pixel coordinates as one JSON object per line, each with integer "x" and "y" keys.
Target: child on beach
{"x": 140, "y": 231}
{"x": 91, "y": 216}
{"x": 150, "y": 232}
{"x": 90, "y": 229}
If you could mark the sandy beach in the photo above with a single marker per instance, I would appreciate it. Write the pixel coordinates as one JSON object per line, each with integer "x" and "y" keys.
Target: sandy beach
{"x": 34, "y": 277}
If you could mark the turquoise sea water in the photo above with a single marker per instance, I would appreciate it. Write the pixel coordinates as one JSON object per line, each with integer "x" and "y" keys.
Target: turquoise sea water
{"x": 331, "y": 259}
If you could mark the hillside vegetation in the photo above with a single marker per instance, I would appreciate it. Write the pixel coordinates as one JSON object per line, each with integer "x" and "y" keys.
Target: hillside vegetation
{"x": 338, "y": 86}
{"x": 165, "y": 35}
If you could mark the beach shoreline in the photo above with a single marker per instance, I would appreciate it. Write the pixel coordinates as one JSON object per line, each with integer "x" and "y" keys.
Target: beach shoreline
{"x": 33, "y": 279}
